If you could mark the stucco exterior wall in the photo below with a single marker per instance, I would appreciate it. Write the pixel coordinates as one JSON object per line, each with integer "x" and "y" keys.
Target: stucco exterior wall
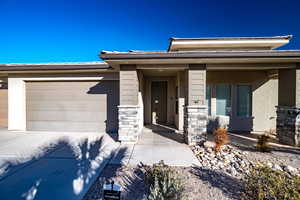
{"x": 264, "y": 102}
{"x": 196, "y": 85}
{"x": 298, "y": 86}
{"x": 287, "y": 87}
{"x": 3, "y": 102}
{"x": 234, "y": 77}
{"x": 129, "y": 85}
{"x": 180, "y": 83}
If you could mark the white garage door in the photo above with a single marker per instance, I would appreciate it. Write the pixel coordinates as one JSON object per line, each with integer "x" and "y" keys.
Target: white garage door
{"x": 72, "y": 106}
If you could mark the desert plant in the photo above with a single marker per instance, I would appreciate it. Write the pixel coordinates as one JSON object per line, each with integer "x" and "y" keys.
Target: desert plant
{"x": 164, "y": 182}
{"x": 263, "y": 142}
{"x": 221, "y": 138}
{"x": 263, "y": 183}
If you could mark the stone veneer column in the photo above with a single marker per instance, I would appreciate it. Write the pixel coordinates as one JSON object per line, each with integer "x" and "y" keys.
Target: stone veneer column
{"x": 195, "y": 117}
{"x": 128, "y": 108}
{"x": 288, "y": 110}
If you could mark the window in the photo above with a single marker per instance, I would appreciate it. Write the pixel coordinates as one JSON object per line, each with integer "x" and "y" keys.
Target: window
{"x": 223, "y": 94}
{"x": 208, "y": 99}
{"x": 244, "y": 100}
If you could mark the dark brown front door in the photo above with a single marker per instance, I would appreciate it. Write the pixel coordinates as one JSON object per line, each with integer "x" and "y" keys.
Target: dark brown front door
{"x": 159, "y": 101}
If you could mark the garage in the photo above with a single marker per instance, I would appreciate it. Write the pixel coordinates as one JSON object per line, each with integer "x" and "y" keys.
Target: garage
{"x": 89, "y": 106}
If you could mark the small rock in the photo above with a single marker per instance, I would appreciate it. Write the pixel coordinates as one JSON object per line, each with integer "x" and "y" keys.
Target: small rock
{"x": 269, "y": 164}
{"x": 209, "y": 144}
{"x": 290, "y": 169}
{"x": 276, "y": 167}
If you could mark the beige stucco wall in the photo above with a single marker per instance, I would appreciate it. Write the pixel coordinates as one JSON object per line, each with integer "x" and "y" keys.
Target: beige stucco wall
{"x": 298, "y": 86}
{"x": 16, "y": 104}
{"x": 3, "y": 102}
{"x": 287, "y": 87}
{"x": 234, "y": 77}
{"x": 181, "y": 84}
{"x": 129, "y": 85}
{"x": 264, "y": 102}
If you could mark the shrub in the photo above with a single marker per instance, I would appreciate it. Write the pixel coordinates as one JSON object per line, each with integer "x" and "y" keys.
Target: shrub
{"x": 164, "y": 183}
{"x": 263, "y": 142}
{"x": 221, "y": 138}
{"x": 263, "y": 183}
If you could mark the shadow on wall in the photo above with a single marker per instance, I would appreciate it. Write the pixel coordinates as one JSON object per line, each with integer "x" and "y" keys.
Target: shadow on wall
{"x": 215, "y": 122}
{"x": 241, "y": 126}
{"x": 111, "y": 90}
{"x": 63, "y": 169}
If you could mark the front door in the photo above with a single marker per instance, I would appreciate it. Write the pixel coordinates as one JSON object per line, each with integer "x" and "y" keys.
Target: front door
{"x": 159, "y": 101}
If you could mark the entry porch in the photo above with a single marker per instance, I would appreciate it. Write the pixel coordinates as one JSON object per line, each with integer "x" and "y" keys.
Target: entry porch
{"x": 197, "y": 98}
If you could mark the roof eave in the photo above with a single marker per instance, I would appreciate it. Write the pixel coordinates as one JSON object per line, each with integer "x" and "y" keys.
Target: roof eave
{"x": 54, "y": 66}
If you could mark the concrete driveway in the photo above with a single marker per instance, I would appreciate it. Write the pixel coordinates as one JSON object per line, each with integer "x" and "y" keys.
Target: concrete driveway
{"x": 37, "y": 165}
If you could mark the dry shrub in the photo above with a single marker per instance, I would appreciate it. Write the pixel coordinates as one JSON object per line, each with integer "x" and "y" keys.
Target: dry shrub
{"x": 264, "y": 183}
{"x": 263, "y": 142}
{"x": 221, "y": 138}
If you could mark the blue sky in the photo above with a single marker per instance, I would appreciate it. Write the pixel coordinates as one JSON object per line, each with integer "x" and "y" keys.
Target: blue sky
{"x": 76, "y": 30}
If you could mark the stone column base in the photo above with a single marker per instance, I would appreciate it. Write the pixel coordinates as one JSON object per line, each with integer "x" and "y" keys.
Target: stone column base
{"x": 128, "y": 123}
{"x": 288, "y": 125}
{"x": 195, "y": 120}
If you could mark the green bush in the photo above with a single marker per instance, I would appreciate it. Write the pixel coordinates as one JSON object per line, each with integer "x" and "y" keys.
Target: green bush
{"x": 263, "y": 183}
{"x": 164, "y": 183}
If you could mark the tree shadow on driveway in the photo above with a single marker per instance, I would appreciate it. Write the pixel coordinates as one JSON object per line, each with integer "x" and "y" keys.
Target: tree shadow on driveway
{"x": 63, "y": 170}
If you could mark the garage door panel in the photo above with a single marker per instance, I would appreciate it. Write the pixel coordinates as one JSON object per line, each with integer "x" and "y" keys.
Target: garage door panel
{"x": 72, "y": 106}
{"x": 48, "y": 85}
{"x": 65, "y": 95}
{"x": 37, "y": 105}
{"x": 67, "y": 127}
{"x": 68, "y": 116}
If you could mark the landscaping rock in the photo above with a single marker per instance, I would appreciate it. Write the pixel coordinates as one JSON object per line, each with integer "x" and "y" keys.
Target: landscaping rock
{"x": 229, "y": 161}
{"x": 291, "y": 170}
{"x": 233, "y": 162}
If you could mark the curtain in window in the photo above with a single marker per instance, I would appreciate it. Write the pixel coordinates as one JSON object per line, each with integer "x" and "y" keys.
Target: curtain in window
{"x": 244, "y": 97}
{"x": 223, "y": 93}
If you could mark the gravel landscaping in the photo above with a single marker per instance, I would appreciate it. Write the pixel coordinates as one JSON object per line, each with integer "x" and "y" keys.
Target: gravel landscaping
{"x": 198, "y": 183}
{"x": 218, "y": 176}
{"x": 236, "y": 160}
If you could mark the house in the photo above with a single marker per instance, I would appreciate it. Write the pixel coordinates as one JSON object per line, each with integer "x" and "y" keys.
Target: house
{"x": 197, "y": 84}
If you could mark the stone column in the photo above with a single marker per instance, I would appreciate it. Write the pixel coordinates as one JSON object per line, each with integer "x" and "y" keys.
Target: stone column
{"x": 128, "y": 108}
{"x": 195, "y": 117}
{"x": 288, "y": 110}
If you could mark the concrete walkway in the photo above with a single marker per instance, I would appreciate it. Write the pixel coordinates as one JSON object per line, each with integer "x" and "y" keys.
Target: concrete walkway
{"x": 156, "y": 143}
{"x": 51, "y": 165}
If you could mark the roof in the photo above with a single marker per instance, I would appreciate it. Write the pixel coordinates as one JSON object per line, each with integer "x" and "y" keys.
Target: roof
{"x": 228, "y": 43}
{"x": 287, "y": 37}
{"x": 54, "y": 66}
{"x": 106, "y": 55}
